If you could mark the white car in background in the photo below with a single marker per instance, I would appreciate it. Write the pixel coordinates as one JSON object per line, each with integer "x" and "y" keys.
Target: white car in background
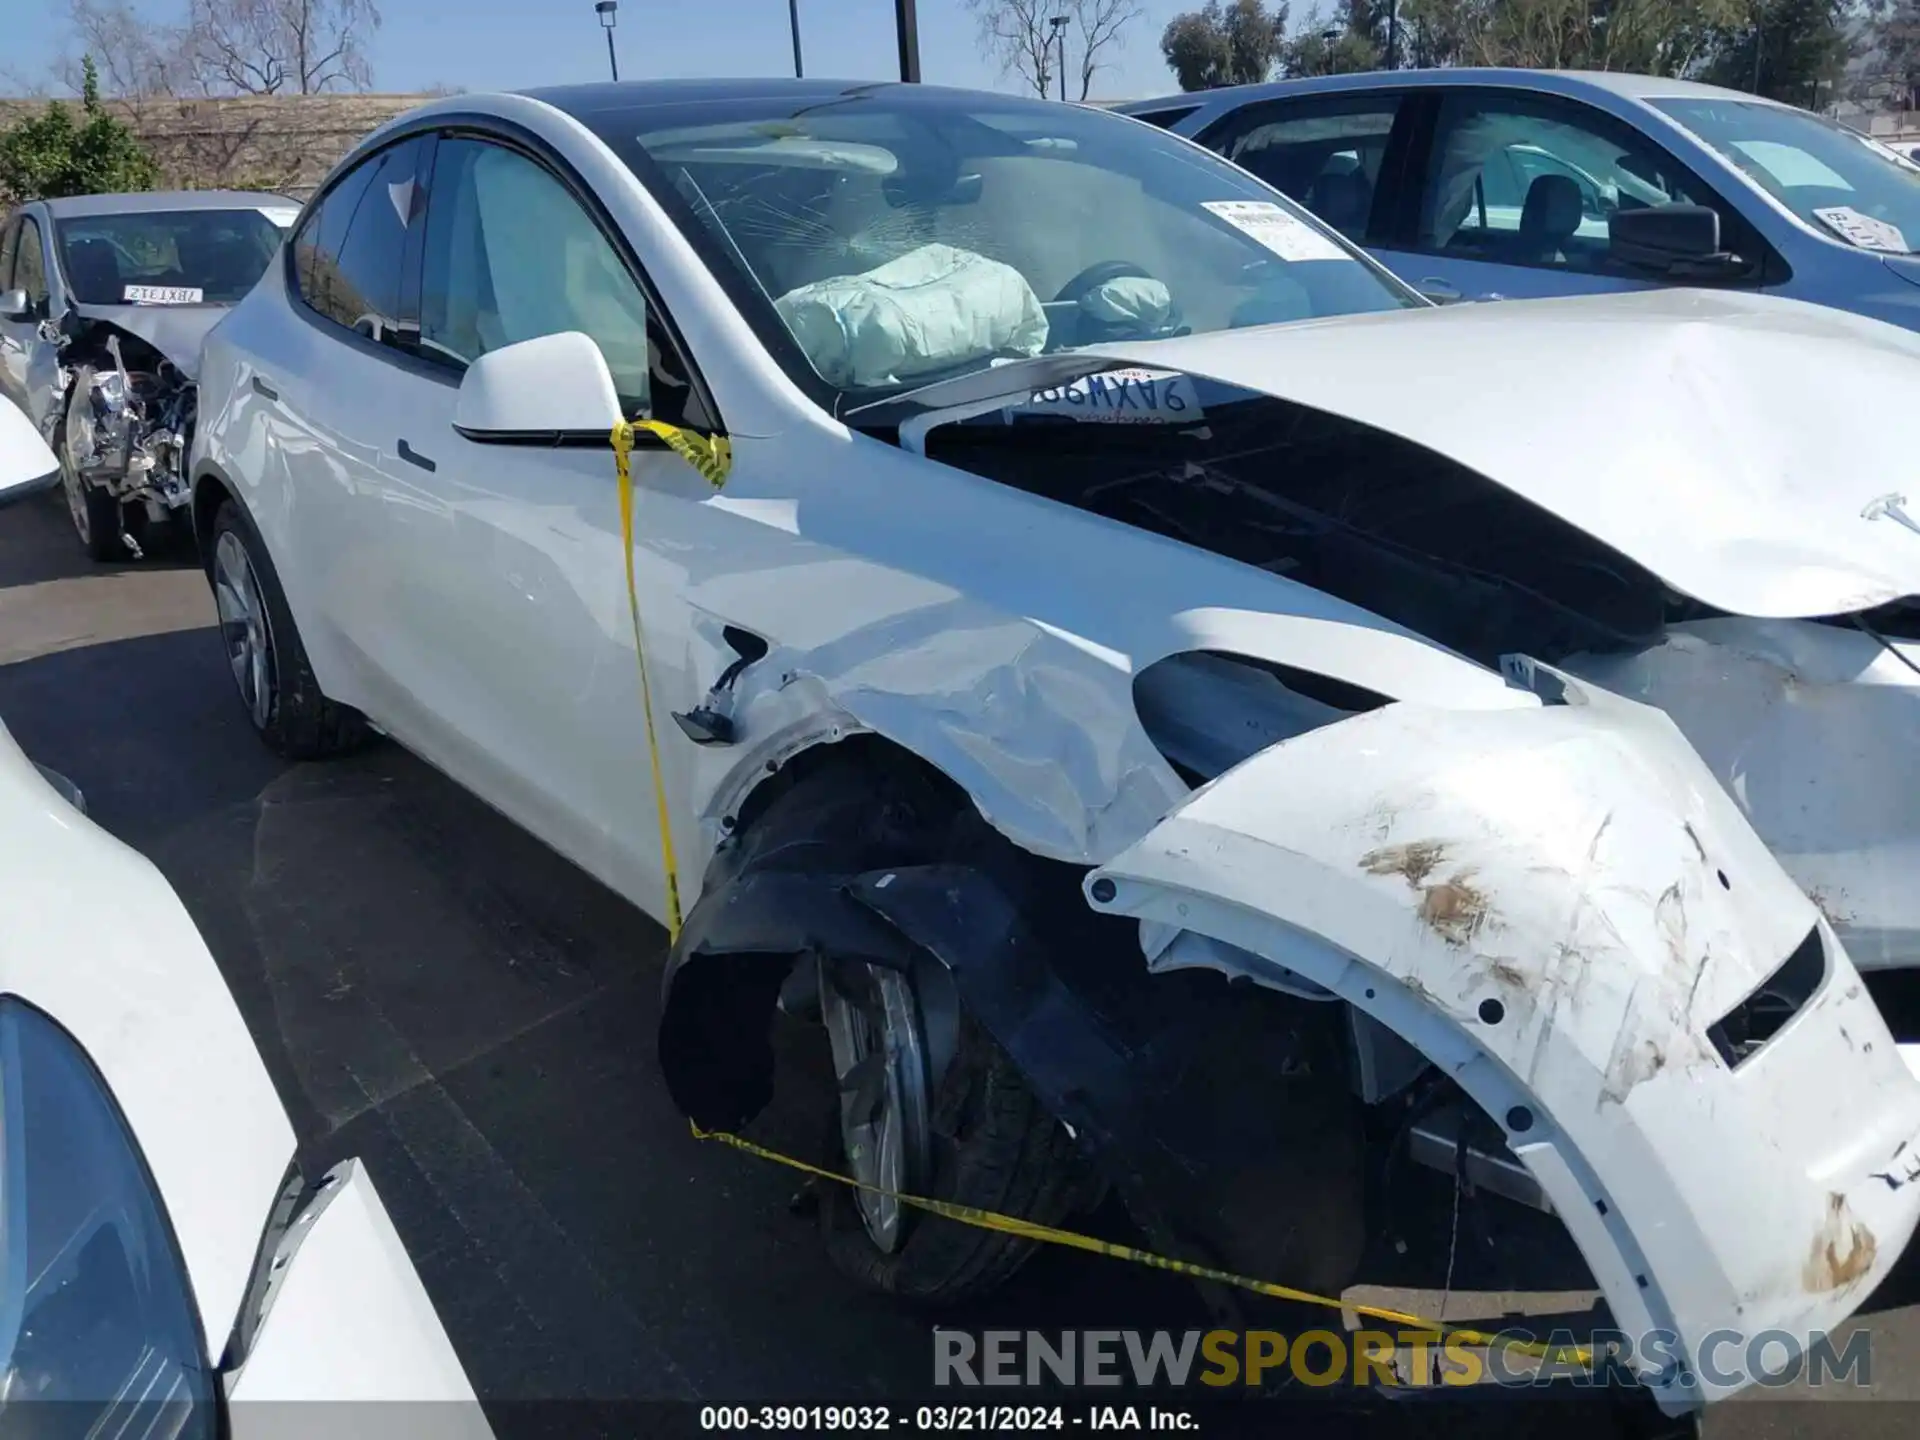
{"x": 1043, "y": 634}
{"x": 167, "y": 1270}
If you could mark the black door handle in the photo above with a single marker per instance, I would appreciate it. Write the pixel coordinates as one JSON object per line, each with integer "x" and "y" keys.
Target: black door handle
{"x": 264, "y": 390}
{"x": 414, "y": 457}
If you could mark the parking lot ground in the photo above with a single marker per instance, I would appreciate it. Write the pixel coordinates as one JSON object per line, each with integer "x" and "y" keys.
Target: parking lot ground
{"x": 437, "y": 993}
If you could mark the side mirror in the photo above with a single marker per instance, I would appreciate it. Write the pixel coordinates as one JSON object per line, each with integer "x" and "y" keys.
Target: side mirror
{"x": 1672, "y": 239}
{"x": 27, "y": 466}
{"x": 14, "y": 305}
{"x": 552, "y": 390}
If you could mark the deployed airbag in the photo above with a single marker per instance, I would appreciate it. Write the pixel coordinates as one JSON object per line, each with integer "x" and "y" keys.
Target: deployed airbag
{"x": 930, "y": 310}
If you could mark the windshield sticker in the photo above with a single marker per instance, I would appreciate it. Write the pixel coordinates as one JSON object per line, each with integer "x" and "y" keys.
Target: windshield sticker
{"x": 1268, "y": 224}
{"x": 281, "y": 215}
{"x": 1128, "y": 396}
{"x": 162, "y": 295}
{"x": 1862, "y": 230}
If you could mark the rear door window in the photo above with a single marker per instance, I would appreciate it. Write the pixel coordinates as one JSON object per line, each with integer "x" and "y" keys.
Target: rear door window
{"x": 1327, "y": 152}
{"x": 349, "y": 255}
{"x": 30, "y": 265}
{"x": 9, "y": 242}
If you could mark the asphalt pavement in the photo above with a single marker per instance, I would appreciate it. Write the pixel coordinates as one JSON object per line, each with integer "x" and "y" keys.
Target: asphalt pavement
{"x": 440, "y": 995}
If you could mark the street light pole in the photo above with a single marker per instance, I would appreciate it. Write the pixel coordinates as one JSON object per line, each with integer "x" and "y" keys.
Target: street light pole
{"x": 1059, "y": 23}
{"x": 793, "y": 22}
{"x": 906, "y": 28}
{"x": 608, "y": 10}
{"x": 1393, "y": 34}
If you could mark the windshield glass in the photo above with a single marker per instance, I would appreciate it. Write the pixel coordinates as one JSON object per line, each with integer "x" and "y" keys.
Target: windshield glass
{"x": 1835, "y": 179}
{"x": 898, "y": 236}
{"x": 174, "y": 257}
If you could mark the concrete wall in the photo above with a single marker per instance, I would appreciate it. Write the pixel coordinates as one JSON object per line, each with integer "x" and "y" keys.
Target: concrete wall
{"x": 257, "y": 142}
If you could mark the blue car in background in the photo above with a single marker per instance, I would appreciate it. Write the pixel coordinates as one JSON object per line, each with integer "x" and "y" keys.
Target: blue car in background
{"x": 1493, "y": 184}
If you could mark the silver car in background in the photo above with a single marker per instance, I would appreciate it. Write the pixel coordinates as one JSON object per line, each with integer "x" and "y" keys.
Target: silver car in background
{"x": 1505, "y": 184}
{"x": 104, "y": 300}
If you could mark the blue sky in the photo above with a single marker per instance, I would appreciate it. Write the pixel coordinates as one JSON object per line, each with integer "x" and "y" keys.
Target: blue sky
{"x": 508, "y": 44}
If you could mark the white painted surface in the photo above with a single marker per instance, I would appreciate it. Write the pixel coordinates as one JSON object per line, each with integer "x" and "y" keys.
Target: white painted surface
{"x": 351, "y": 1323}
{"x": 1813, "y": 730}
{"x": 24, "y": 456}
{"x": 92, "y": 934}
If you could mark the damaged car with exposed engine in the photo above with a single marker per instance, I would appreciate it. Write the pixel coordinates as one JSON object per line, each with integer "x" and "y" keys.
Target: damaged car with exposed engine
{"x": 104, "y": 301}
{"x": 1167, "y": 711}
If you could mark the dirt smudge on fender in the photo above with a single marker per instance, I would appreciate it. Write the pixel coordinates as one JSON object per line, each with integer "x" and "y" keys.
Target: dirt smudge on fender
{"x": 1413, "y": 863}
{"x": 1455, "y": 909}
{"x": 1842, "y": 1252}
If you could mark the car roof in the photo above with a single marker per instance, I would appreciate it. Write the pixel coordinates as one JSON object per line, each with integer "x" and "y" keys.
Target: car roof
{"x": 1561, "y": 82}
{"x": 612, "y": 96}
{"x": 153, "y": 202}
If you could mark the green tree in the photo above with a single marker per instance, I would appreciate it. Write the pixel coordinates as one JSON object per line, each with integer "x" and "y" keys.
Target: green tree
{"x": 1355, "y": 39}
{"x": 1783, "y": 49}
{"x": 1236, "y": 43}
{"x": 50, "y": 154}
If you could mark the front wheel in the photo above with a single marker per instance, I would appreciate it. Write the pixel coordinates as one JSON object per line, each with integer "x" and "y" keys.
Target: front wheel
{"x": 98, "y": 519}
{"x": 977, "y": 1137}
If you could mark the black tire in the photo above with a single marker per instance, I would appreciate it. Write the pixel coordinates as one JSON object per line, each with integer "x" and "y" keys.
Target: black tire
{"x": 289, "y": 712}
{"x": 996, "y": 1148}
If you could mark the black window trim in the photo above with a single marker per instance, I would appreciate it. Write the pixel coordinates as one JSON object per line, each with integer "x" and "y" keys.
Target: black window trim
{"x": 513, "y": 136}
{"x": 1768, "y": 267}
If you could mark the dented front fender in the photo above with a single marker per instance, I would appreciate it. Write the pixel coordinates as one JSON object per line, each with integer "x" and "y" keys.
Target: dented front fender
{"x": 1561, "y": 907}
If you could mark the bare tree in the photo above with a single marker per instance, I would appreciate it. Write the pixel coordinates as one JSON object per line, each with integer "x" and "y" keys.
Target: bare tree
{"x": 1022, "y": 35}
{"x": 267, "y": 47}
{"x": 225, "y": 47}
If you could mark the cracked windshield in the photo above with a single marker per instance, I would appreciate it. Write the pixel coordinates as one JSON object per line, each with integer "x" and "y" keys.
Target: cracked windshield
{"x": 901, "y": 239}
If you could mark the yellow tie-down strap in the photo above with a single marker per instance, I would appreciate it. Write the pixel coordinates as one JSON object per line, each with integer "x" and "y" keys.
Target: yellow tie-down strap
{"x": 712, "y": 456}
{"x": 1073, "y": 1240}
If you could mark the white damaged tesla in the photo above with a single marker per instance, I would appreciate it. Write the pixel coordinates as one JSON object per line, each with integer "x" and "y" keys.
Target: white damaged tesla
{"x": 1152, "y": 689}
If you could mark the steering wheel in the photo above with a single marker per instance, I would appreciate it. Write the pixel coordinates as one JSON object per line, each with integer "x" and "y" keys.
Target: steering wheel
{"x": 1095, "y": 276}
{"x": 1087, "y": 330}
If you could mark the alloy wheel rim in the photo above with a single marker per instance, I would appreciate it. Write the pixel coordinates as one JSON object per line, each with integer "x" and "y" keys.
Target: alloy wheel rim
{"x": 75, "y": 487}
{"x": 879, "y": 1056}
{"x": 243, "y": 627}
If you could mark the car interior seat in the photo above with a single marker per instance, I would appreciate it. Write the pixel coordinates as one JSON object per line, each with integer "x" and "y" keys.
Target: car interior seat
{"x": 1549, "y": 218}
{"x": 1344, "y": 199}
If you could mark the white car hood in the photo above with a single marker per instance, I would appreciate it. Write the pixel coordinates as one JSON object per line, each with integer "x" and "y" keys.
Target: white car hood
{"x": 93, "y": 936}
{"x": 1742, "y": 448}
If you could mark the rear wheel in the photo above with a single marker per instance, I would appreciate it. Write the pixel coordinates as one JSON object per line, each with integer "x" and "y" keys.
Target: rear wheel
{"x": 264, "y": 653}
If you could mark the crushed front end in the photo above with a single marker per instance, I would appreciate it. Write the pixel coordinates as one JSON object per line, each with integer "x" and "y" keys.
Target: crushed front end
{"x": 128, "y": 416}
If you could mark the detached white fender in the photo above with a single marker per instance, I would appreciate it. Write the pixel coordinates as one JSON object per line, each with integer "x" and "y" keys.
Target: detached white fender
{"x": 1555, "y": 905}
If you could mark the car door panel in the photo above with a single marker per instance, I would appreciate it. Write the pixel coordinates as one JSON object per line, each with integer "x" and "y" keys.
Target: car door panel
{"x": 503, "y": 647}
